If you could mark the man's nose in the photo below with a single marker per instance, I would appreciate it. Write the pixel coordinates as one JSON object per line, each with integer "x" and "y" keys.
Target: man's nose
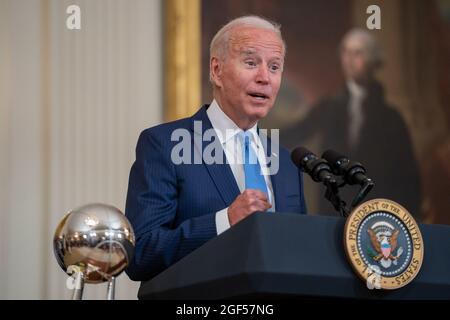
{"x": 263, "y": 75}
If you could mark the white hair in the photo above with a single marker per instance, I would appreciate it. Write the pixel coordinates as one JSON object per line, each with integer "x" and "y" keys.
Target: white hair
{"x": 370, "y": 44}
{"x": 219, "y": 44}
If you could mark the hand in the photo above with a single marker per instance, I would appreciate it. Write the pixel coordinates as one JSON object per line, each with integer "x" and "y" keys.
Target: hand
{"x": 247, "y": 203}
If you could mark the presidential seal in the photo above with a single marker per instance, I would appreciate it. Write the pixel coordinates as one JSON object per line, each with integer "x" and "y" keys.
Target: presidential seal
{"x": 383, "y": 244}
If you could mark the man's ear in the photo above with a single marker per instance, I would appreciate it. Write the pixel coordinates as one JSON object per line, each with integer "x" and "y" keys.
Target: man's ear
{"x": 215, "y": 71}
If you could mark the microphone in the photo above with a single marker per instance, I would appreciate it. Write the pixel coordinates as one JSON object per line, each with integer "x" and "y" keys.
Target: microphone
{"x": 318, "y": 169}
{"x": 353, "y": 172}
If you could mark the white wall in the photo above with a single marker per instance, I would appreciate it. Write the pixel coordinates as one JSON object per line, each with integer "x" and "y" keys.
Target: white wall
{"x": 72, "y": 104}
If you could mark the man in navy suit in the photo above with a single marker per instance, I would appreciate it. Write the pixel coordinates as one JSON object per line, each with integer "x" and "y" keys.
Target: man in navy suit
{"x": 196, "y": 177}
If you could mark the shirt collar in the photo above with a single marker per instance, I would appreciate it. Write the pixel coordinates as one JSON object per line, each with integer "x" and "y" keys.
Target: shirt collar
{"x": 227, "y": 128}
{"x": 356, "y": 89}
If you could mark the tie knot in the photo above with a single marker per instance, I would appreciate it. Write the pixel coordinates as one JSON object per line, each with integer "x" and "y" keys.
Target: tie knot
{"x": 245, "y": 137}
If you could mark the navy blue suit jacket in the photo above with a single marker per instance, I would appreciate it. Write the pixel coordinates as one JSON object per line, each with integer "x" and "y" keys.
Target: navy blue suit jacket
{"x": 172, "y": 208}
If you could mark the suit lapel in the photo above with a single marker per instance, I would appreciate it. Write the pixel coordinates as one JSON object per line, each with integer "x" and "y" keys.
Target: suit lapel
{"x": 277, "y": 183}
{"x": 277, "y": 190}
{"x": 221, "y": 174}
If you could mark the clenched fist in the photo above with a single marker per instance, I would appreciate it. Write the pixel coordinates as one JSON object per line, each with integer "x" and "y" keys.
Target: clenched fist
{"x": 248, "y": 202}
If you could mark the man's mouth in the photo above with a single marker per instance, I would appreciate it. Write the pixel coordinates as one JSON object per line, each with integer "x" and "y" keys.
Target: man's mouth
{"x": 259, "y": 95}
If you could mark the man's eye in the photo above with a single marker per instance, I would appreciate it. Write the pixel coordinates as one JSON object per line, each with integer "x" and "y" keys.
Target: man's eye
{"x": 274, "y": 67}
{"x": 250, "y": 63}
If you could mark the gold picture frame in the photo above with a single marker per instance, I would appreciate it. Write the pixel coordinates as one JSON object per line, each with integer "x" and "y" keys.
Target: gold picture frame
{"x": 182, "y": 76}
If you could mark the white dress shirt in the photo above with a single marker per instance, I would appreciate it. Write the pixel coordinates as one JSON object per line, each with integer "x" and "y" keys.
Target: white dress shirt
{"x": 227, "y": 132}
{"x": 357, "y": 95}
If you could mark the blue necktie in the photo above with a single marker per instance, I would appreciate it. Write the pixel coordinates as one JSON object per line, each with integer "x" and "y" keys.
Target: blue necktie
{"x": 253, "y": 175}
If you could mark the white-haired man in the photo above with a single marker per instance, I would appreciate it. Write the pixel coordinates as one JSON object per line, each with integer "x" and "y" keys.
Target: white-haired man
{"x": 176, "y": 206}
{"x": 359, "y": 123}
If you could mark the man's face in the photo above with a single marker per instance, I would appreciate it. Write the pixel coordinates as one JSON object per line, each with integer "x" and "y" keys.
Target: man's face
{"x": 249, "y": 77}
{"x": 355, "y": 60}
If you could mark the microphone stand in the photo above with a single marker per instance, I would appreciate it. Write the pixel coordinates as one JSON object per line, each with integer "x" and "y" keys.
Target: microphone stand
{"x": 365, "y": 189}
{"x": 332, "y": 195}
